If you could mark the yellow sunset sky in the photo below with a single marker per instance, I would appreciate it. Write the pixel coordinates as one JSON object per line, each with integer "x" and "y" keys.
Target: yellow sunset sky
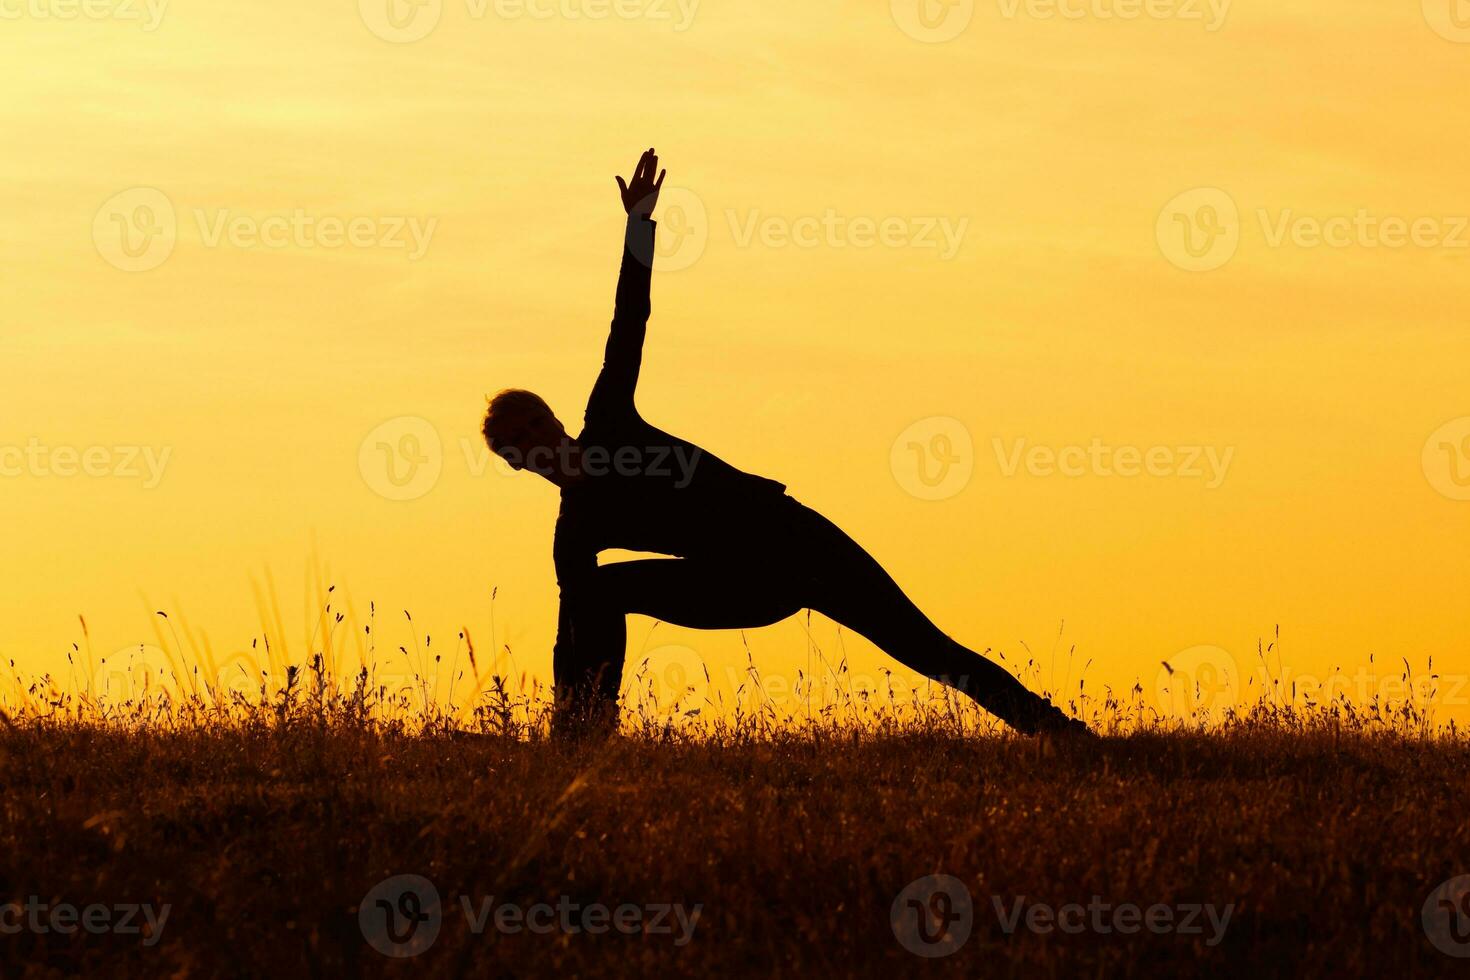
{"x": 261, "y": 257}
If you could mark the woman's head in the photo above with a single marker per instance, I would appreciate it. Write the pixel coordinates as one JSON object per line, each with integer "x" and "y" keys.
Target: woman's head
{"x": 520, "y": 427}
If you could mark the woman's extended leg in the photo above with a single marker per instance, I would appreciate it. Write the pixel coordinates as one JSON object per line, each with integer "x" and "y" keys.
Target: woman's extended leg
{"x": 800, "y": 560}
{"x": 848, "y": 585}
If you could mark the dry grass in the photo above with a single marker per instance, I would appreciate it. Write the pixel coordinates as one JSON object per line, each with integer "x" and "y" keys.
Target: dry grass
{"x": 264, "y": 820}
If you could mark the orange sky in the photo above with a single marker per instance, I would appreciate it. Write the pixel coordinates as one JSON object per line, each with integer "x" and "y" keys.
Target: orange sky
{"x": 887, "y": 236}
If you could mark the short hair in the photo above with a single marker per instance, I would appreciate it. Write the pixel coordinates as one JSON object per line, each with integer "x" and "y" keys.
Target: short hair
{"x": 509, "y": 404}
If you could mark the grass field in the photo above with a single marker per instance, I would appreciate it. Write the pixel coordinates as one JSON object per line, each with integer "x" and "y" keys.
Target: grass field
{"x": 1276, "y": 843}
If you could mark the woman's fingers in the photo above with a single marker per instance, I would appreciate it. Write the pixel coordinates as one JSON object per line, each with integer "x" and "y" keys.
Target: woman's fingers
{"x": 642, "y": 180}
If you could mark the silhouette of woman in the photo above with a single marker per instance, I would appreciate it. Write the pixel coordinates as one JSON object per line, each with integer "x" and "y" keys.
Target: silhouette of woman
{"x": 748, "y": 554}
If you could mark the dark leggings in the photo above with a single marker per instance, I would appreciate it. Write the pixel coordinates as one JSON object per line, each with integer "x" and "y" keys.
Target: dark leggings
{"x": 801, "y": 561}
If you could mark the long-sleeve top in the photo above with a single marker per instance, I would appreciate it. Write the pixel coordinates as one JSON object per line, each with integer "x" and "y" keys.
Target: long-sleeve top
{"x": 643, "y": 489}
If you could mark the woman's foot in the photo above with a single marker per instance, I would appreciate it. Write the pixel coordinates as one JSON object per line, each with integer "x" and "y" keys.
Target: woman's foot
{"x": 1062, "y": 726}
{"x": 1041, "y": 717}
